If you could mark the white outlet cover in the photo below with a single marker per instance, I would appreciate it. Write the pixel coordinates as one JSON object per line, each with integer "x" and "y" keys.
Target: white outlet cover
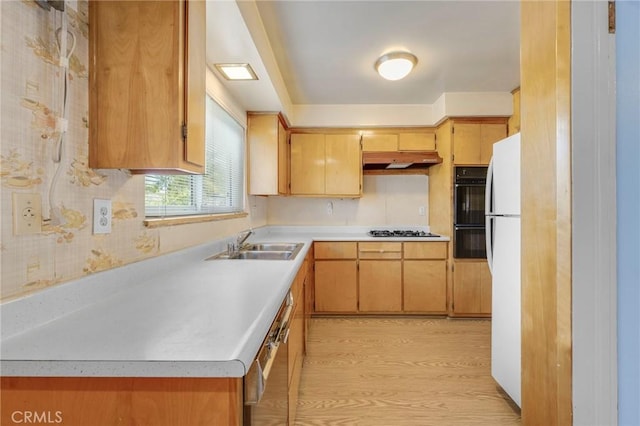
{"x": 101, "y": 216}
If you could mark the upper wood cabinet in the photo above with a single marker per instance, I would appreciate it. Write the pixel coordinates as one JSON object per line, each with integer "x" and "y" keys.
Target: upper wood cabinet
{"x": 401, "y": 141}
{"x": 268, "y": 154}
{"x": 147, "y": 86}
{"x": 307, "y": 164}
{"x": 326, "y": 164}
{"x": 417, "y": 142}
{"x": 379, "y": 142}
{"x": 473, "y": 142}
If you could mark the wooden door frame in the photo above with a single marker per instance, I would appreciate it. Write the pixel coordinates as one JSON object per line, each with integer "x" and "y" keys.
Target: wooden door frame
{"x": 545, "y": 52}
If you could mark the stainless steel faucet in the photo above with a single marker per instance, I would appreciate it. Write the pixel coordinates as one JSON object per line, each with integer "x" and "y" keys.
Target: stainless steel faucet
{"x": 243, "y": 237}
{"x": 232, "y": 248}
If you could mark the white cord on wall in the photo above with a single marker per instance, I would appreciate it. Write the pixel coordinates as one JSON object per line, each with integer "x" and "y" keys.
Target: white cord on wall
{"x": 62, "y": 35}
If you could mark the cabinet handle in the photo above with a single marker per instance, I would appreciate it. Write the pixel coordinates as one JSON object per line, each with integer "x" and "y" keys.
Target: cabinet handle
{"x": 379, "y": 251}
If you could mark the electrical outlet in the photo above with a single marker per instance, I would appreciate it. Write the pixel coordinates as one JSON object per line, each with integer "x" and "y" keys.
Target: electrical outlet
{"x": 422, "y": 211}
{"x": 27, "y": 213}
{"x": 329, "y": 208}
{"x": 101, "y": 216}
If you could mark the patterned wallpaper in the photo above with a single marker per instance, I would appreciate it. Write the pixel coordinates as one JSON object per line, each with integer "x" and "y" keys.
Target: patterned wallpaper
{"x": 32, "y": 87}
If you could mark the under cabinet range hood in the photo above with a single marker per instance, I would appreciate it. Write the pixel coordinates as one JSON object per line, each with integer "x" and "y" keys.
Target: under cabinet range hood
{"x": 399, "y": 160}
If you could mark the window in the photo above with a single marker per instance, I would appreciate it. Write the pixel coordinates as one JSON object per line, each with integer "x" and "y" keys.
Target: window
{"x": 220, "y": 189}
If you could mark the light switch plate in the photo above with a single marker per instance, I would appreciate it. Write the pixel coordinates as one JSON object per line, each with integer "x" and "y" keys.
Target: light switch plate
{"x": 27, "y": 213}
{"x": 101, "y": 216}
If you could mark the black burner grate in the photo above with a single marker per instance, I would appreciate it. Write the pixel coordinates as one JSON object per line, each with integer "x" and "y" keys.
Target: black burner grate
{"x": 400, "y": 233}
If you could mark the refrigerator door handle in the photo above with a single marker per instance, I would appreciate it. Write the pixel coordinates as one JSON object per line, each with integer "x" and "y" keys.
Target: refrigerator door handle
{"x": 488, "y": 218}
{"x": 489, "y": 241}
{"x": 488, "y": 191}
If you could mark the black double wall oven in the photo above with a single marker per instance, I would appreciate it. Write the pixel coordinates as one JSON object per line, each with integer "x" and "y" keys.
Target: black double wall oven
{"x": 468, "y": 206}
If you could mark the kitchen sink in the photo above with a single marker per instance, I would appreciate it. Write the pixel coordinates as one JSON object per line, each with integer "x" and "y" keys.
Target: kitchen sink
{"x": 263, "y": 255}
{"x": 272, "y": 246}
{"x": 262, "y": 251}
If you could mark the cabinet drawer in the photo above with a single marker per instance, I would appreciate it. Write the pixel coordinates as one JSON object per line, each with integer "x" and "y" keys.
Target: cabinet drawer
{"x": 380, "y": 250}
{"x": 425, "y": 250}
{"x": 333, "y": 250}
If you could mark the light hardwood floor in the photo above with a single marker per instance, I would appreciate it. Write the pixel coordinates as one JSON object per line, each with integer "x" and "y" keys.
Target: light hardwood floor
{"x": 400, "y": 371}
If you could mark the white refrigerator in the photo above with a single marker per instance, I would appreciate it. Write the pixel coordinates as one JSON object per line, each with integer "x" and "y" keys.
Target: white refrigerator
{"x": 502, "y": 217}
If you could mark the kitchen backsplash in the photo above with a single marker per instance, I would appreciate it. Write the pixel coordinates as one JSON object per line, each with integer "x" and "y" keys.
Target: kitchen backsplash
{"x": 386, "y": 200}
{"x": 31, "y": 100}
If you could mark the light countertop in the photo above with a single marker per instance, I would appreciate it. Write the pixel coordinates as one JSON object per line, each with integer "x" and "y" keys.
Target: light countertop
{"x": 176, "y": 315}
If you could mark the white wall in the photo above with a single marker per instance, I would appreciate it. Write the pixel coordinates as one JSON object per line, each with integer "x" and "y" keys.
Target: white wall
{"x": 386, "y": 200}
{"x": 594, "y": 217}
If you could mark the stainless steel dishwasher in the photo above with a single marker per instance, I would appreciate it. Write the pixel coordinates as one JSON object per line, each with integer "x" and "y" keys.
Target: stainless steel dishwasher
{"x": 266, "y": 383}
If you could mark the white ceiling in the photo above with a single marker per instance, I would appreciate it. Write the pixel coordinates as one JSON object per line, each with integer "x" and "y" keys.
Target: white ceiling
{"x": 324, "y": 51}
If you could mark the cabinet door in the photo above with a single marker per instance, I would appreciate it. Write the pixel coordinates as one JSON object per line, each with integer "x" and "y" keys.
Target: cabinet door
{"x": 343, "y": 170}
{"x": 141, "y": 95}
{"x": 440, "y": 184}
{"x": 379, "y": 143}
{"x": 283, "y": 160}
{"x": 490, "y": 134}
{"x": 471, "y": 288}
{"x": 417, "y": 142}
{"x": 425, "y": 286}
{"x": 262, "y": 135}
{"x": 295, "y": 359}
{"x": 485, "y": 289}
{"x": 268, "y": 155}
{"x": 380, "y": 286}
{"x": 307, "y": 164}
{"x": 466, "y": 143}
{"x": 336, "y": 286}
{"x": 195, "y": 83}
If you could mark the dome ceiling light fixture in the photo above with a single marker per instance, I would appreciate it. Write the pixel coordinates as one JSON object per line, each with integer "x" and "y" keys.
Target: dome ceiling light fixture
{"x": 395, "y": 65}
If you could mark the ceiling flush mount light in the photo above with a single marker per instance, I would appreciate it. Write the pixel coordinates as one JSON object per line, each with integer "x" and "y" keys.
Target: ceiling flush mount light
{"x": 395, "y": 65}
{"x": 236, "y": 71}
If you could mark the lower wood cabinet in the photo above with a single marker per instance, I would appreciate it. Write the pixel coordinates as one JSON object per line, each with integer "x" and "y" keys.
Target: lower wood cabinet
{"x": 381, "y": 277}
{"x": 380, "y": 286}
{"x": 471, "y": 289}
{"x": 166, "y": 401}
{"x": 425, "y": 277}
{"x": 336, "y": 286}
{"x": 336, "y": 277}
{"x": 309, "y": 289}
{"x": 108, "y": 401}
{"x": 425, "y": 286}
{"x": 295, "y": 349}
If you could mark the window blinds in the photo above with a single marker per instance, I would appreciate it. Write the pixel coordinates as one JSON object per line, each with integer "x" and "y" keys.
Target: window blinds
{"x": 220, "y": 189}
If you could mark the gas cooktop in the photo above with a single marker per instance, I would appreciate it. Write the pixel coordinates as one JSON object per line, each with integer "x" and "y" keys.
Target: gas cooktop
{"x": 400, "y": 233}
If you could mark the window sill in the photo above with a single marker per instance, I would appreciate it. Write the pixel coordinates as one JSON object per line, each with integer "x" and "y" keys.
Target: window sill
{"x": 180, "y": 220}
